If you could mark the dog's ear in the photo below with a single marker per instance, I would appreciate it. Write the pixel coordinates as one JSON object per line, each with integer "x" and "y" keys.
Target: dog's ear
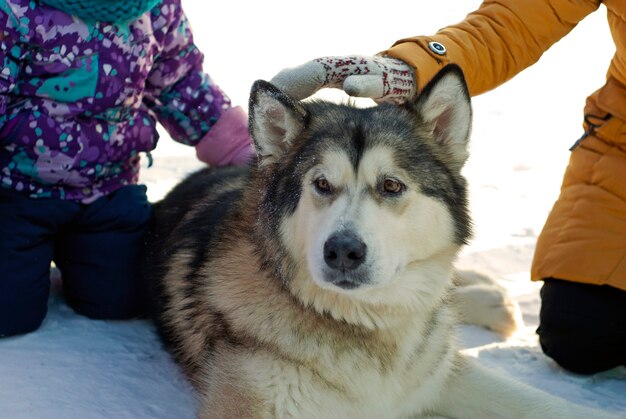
{"x": 275, "y": 121}
{"x": 445, "y": 107}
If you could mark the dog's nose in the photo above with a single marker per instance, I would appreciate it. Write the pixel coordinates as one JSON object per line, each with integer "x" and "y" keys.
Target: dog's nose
{"x": 344, "y": 251}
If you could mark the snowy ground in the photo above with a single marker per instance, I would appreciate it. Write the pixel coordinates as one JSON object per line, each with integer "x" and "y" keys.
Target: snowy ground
{"x": 78, "y": 368}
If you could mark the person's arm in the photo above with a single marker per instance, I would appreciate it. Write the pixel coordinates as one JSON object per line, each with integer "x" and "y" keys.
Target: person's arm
{"x": 495, "y": 42}
{"x": 10, "y": 54}
{"x": 491, "y": 45}
{"x": 191, "y": 107}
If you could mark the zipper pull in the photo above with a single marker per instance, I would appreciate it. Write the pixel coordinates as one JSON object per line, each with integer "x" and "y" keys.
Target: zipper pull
{"x": 580, "y": 140}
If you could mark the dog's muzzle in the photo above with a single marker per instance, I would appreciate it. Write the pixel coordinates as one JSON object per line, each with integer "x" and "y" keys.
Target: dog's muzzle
{"x": 344, "y": 253}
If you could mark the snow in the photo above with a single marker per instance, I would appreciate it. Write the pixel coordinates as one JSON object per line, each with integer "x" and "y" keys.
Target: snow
{"x": 73, "y": 367}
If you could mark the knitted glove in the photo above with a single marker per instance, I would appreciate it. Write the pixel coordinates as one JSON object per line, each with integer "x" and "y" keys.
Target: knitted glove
{"x": 228, "y": 142}
{"x": 381, "y": 78}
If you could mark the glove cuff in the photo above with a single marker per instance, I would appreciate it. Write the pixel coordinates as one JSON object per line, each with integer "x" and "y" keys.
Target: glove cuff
{"x": 398, "y": 79}
{"x": 228, "y": 142}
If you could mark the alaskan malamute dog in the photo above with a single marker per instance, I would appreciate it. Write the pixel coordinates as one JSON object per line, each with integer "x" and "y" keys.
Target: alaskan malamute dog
{"x": 317, "y": 283}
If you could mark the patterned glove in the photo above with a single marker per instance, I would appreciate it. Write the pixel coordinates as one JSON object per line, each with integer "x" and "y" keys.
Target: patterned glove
{"x": 381, "y": 78}
{"x": 228, "y": 142}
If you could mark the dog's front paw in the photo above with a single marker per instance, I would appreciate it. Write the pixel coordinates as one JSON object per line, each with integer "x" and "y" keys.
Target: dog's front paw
{"x": 487, "y": 305}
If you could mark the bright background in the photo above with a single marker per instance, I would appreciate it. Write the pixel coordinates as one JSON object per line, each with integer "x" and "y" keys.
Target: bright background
{"x": 73, "y": 367}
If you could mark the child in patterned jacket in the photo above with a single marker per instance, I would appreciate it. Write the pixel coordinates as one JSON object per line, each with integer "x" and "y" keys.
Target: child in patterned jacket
{"x": 82, "y": 86}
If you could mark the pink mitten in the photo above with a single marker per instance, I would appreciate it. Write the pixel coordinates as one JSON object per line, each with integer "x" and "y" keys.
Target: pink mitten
{"x": 228, "y": 142}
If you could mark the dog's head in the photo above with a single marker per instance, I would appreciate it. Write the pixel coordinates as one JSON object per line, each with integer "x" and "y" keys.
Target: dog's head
{"x": 368, "y": 203}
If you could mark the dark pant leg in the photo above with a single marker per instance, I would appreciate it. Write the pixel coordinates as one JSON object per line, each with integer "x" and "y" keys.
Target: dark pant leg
{"x": 583, "y": 327}
{"x": 27, "y": 227}
{"x": 98, "y": 256}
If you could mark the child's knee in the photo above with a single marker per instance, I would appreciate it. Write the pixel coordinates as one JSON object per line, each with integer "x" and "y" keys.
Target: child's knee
{"x": 22, "y": 321}
{"x": 23, "y": 304}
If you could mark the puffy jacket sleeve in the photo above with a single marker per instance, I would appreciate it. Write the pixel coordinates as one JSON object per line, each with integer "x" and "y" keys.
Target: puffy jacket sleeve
{"x": 184, "y": 98}
{"x": 9, "y": 57}
{"x": 495, "y": 42}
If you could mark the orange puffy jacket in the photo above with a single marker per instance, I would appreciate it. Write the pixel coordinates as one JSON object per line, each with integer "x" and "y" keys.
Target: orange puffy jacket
{"x": 584, "y": 238}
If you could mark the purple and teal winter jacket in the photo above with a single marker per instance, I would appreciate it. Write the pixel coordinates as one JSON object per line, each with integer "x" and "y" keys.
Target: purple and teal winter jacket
{"x": 79, "y": 101}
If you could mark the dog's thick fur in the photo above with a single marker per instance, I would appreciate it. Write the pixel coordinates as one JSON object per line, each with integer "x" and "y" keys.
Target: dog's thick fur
{"x": 318, "y": 283}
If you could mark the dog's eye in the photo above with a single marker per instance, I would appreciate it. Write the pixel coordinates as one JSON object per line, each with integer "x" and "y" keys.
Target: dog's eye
{"x": 392, "y": 186}
{"x": 322, "y": 185}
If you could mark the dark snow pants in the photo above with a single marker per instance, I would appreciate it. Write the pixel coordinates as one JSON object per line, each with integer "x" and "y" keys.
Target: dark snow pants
{"x": 97, "y": 248}
{"x": 583, "y": 327}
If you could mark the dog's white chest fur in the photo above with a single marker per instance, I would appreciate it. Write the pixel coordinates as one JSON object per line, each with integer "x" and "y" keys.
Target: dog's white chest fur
{"x": 362, "y": 383}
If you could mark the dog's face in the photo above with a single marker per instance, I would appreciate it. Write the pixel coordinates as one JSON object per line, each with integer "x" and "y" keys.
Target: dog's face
{"x": 363, "y": 198}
